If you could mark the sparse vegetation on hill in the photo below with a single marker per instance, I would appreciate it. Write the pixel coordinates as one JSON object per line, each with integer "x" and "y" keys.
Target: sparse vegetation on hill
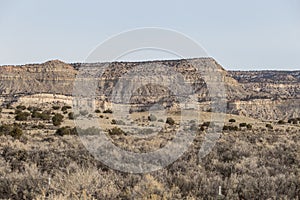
{"x": 170, "y": 121}
{"x": 22, "y": 116}
{"x": 57, "y": 119}
{"x": 11, "y": 129}
{"x": 43, "y": 157}
{"x": 116, "y": 131}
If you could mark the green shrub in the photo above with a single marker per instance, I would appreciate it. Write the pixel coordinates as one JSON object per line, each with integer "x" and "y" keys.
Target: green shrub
{"x": 269, "y": 126}
{"x": 249, "y": 126}
{"x": 71, "y": 115}
{"x": 65, "y": 108}
{"x": 108, "y": 111}
{"x": 232, "y": 120}
{"x": 55, "y": 107}
{"x": 243, "y": 124}
{"x": 9, "y": 106}
{"x": 66, "y": 130}
{"x": 230, "y": 128}
{"x": 57, "y": 119}
{"x": 39, "y": 126}
{"x": 206, "y": 124}
{"x": 170, "y": 121}
{"x": 21, "y": 107}
{"x": 116, "y": 131}
{"x": 43, "y": 116}
{"x": 152, "y": 118}
{"x": 97, "y": 111}
{"x": 293, "y": 121}
{"x": 33, "y": 108}
{"x": 22, "y": 116}
{"x": 11, "y": 129}
{"x": 119, "y": 122}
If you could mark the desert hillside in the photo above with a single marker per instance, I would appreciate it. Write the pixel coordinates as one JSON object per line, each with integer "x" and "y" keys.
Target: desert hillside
{"x": 269, "y": 95}
{"x": 44, "y": 154}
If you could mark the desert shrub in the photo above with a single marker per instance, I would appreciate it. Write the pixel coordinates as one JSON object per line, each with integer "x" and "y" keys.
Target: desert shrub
{"x": 243, "y": 124}
{"x": 9, "y": 106}
{"x": 22, "y": 116}
{"x": 269, "y": 126}
{"x": 17, "y": 111}
{"x": 90, "y": 116}
{"x": 116, "y": 131}
{"x": 55, "y": 107}
{"x": 209, "y": 110}
{"x": 206, "y": 124}
{"x": 65, "y": 108}
{"x": 293, "y": 121}
{"x": 97, "y": 111}
{"x": 71, "y": 115}
{"x": 108, "y": 111}
{"x": 170, "y": 121}
{"x": 39, "y": 126}
{"x": 152, "y": 118}
{"x": 21, "y": 107}
{"x": 232, "y": 120}
{"x": 57, "y": 119}
{"x": 281, "y": 122}
{"x": 11, "y": 129}
{"x": 66, "y": 130}
{"x": 0, "y": 109}
{"x": 160, "y": 120}
{"x": 249, "y": 126}
{"x": 230, "y": 128}
{"x": 119, "y": 122}
{"x": 33, "y": 108}
{"x": 43, "y": 116}
{"x": 35, "y": 114}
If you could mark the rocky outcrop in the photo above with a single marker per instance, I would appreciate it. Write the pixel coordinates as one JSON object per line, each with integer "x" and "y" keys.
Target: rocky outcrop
{"x": 53, "y": 77}
{"x": 259, "y": 94}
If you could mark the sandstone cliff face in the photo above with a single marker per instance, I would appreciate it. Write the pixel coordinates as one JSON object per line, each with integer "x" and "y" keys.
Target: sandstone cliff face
{"x": 260, "y": 94}
{"x": 53, "y": 77}
{"x": 270, "y": 94}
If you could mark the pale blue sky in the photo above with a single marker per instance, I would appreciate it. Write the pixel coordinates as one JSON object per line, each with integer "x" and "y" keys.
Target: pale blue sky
{"x": 239, "y": 34}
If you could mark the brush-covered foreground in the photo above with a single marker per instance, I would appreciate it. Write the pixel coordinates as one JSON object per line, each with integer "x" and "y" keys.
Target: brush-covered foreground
{"x": 257, "y": 162}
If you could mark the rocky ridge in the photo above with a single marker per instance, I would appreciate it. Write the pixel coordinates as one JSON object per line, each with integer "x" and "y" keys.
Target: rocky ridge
{"x": 262, "y": 94}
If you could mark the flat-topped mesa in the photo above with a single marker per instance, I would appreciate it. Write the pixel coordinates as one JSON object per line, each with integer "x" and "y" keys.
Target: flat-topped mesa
{"x": 57, "y": 77}
{"x": 49, "y": 77}
{"x": 243, "y": 89}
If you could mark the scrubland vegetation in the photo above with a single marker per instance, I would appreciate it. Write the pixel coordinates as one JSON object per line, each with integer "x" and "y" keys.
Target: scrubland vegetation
{"x": 42, "y": 157}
